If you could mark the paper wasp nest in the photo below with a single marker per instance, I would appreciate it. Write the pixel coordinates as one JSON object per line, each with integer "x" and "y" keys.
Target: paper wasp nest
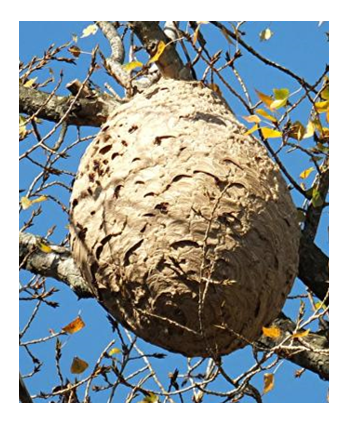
{"x": 182, "y": 226}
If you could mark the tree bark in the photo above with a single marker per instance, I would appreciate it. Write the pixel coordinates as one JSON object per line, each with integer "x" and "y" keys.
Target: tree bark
{"x": 169, "y": 63}
{"x": 313, "y": 269}
{"x": 57, "y": 264}
{"x": 85, "y": 112}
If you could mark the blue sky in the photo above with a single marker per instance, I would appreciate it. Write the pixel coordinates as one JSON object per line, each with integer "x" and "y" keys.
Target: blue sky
{"x": 300, "y": 46}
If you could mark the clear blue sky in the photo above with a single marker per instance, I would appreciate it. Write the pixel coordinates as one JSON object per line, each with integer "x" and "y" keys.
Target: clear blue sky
{"x": 300, "y": 46}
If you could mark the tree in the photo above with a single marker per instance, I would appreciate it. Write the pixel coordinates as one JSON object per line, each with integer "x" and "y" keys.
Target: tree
{"x": 161, "y": 56}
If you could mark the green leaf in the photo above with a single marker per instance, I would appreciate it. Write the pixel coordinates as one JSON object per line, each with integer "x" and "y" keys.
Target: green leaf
{"x": 281, "y": 97}
{"x": 151, "y": 398}
{"x": 317, "y": 200}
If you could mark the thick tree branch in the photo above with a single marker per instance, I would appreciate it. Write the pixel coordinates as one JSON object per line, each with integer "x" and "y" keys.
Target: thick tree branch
{"x": 85, "y": 112}
{"x": 310, "y": 352}
{"x": 313, "y": 269}
{"x": 314, "y": 210}
{"x": 57, "y": 264}
{"x": 169, "y": 63}
{"x": 117, "y": 47}
{"x": 24, "y": 395}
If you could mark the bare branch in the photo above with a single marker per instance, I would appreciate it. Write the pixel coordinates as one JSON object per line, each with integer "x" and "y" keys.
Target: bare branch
{"x": 169, "y": 63}
{"x": 85, "y": 112}
{"x": 265, "y": 60}
{"x": 57, "y": 264}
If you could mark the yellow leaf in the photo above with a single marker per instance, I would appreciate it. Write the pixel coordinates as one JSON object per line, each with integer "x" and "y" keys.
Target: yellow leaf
{"x": 78, "y": 366}
{"x": 22, "y": 127}
{"x": 276, "y": 104}
{"x": 263, "y": 113}
{"x": 269, "y": 382}
{"x": 30, "y": 82}
{"x": 131, "y": 65}
{"x": 195, "y": 37}
{"x": 270, "y": 133}
{"x": 89, "y": 30}
{"x": 75, "y": 51}
{"x": 151, "y": 398}
{"x": 75, "y": 38}
{"x": 252, "y": 118}
{"x": 300, "y": 334}
{"x": 74, "y": 326}
{"x": 325, "y": 93}
{"x": 26, "y": 202}
{"x": 309, "y": 130}
{"x": 266, "y": 34}
{"x": 44, "y": 247}
{"x": 267, "y": 100}
{"x": 114, "y": 351}
{"x": 306, "y": 173}
{"x": 322, "y": 107}
{"x": 319, "y": 305}
{"x": 297, "y": 131}
{"x": 253, "y": 129}
{"x": 158, "y": 53}
{"x": 272, "y": 332}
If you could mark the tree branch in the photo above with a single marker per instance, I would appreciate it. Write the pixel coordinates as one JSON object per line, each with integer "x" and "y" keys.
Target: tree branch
{"x": 311, "y": 352}
{"x": 313, "y": 269}
{"x": 57, "y": 264}
{"x": 314, "y": 211}
{"x": 169, "y": 63}
{"x": 24, "y": 395}
{"x": 85, "y": 112}
{"x": 117, "y": 47}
